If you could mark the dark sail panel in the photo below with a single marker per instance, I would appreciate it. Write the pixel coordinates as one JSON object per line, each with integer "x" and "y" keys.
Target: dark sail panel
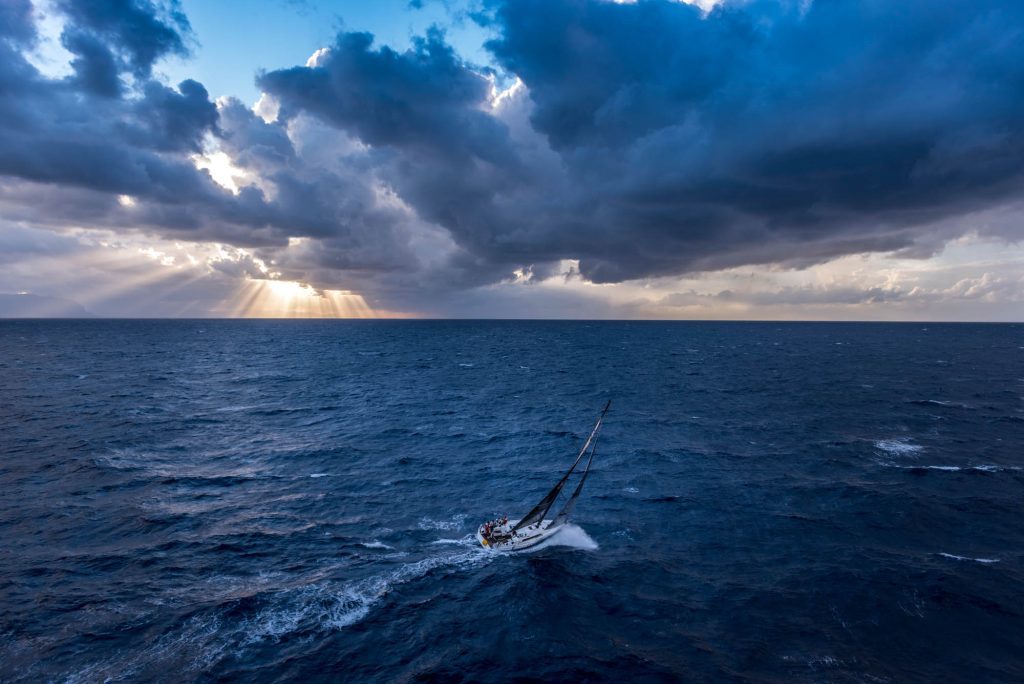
{"x": 540, "y": 510}
{"x": 563, "y": 515}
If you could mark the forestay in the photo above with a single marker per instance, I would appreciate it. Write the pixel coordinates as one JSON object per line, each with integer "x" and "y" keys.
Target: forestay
{"x": 540, "y": 510}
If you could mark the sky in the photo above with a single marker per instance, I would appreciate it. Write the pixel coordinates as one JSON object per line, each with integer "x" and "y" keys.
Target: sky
{"x": 740, "y": 159}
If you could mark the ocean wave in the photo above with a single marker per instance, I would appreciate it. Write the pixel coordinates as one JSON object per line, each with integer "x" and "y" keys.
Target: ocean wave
{"x": 212, "y": 469}
{"x": 985, "y": 561}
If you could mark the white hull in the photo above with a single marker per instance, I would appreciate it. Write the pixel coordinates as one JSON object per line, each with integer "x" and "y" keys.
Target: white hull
{"x": 525, "y": 538}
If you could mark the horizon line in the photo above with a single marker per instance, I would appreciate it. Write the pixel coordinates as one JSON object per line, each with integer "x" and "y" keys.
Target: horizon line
{"x": 505, "y": 319}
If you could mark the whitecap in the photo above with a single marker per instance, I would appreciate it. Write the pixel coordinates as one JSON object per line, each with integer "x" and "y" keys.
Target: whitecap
{"x": 986, "y": 561}
{"x": 376, "y": 545}
{"x": 631, "y": 490}
{"x": 944, "y": 403}
{"x": 984, "y": 467}
{"x": 900, "y": 447}
{"x": 319, "y": 474}
{"x": 948, "y": 468}
{"x": 454, "y": 524}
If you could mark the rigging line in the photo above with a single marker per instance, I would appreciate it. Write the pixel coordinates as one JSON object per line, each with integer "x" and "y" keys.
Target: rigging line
{"x": 538, "y": 511}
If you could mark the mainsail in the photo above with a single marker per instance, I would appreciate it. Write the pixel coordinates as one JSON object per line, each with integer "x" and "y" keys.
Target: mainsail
{"x": 541, "y": 509}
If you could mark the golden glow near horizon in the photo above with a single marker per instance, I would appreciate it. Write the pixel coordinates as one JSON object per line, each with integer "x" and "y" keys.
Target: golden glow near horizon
{"x": 156, "y": 276}
{"x": 267, "y": 298}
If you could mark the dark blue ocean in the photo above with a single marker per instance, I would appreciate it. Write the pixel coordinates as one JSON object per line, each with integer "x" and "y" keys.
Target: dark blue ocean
{"x": 294, "y": 500}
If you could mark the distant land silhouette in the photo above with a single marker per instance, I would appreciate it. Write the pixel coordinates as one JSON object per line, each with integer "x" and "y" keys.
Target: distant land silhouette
{"x": 27, "y": 305}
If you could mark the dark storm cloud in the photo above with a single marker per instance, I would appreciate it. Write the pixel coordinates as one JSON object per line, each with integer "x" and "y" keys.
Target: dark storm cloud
{"x": 16, "y": 20}
{"x": 140, "y": 30}
{"x": 96, "y": 69}
{"x": 80, "y": 133}
{"x": 175, "y": 120}
{"x": 422, "y": 98}
{"x": 770, "y": 131}
{"x": 760, "y": 132}
{"x": 424, "y": 112}
{"x": 71, "y": 147}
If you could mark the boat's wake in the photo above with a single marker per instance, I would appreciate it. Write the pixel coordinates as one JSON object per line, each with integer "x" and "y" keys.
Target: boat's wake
{"x": 468, "y": 540}
{"x": 281, "y": 609}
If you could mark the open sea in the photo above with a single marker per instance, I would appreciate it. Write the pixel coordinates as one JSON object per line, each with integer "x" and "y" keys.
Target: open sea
{"x": 295, "y": 500}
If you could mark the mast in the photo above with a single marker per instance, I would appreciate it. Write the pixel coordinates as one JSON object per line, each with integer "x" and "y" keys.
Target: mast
{"x": 538, "y": 512}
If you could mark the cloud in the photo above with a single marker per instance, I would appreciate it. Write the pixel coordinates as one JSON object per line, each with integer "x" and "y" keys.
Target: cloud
{"x": 769, "y": 131}
{"x": 638, "y": 140}
{"x": 802, "y": 295}
{"x": 655, "y": 138}
{"x": 425, "y": 98}
{"x": 139, "y": 31}
{"x": 174, "y": 120}
{"x": 25, "y": 305}
{"x": 71, "y": 149}
{"x": 96, "y": 69}
{"x": 16, "y": 23}
{"x": 81, "y": 134}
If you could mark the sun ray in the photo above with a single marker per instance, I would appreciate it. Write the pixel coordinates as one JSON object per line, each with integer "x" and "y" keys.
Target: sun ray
{"x": 272, "y": 298}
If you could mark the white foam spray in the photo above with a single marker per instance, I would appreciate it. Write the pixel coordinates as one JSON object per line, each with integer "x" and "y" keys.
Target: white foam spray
{"x": 898, "y": 447}
{"x": 572, "y": 536}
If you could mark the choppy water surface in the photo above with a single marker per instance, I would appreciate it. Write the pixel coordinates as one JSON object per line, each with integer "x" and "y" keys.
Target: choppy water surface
{"x": 284, "y": 500}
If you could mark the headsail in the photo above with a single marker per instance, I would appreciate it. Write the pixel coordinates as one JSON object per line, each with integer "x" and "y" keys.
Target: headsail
{"x": 563, "y": 515}
{"x": 541, "y": 509}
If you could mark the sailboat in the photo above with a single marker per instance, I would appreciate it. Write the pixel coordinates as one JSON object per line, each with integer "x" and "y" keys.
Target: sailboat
{"x": 533, "y": 528}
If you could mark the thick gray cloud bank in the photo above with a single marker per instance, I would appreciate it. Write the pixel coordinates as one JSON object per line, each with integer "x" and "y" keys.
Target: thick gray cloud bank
{"x": 762, "y": 132}
{"x": 648, "y": 139}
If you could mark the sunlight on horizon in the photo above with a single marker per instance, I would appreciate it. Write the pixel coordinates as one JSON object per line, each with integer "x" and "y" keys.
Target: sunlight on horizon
{"x": 266, "y": 298}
